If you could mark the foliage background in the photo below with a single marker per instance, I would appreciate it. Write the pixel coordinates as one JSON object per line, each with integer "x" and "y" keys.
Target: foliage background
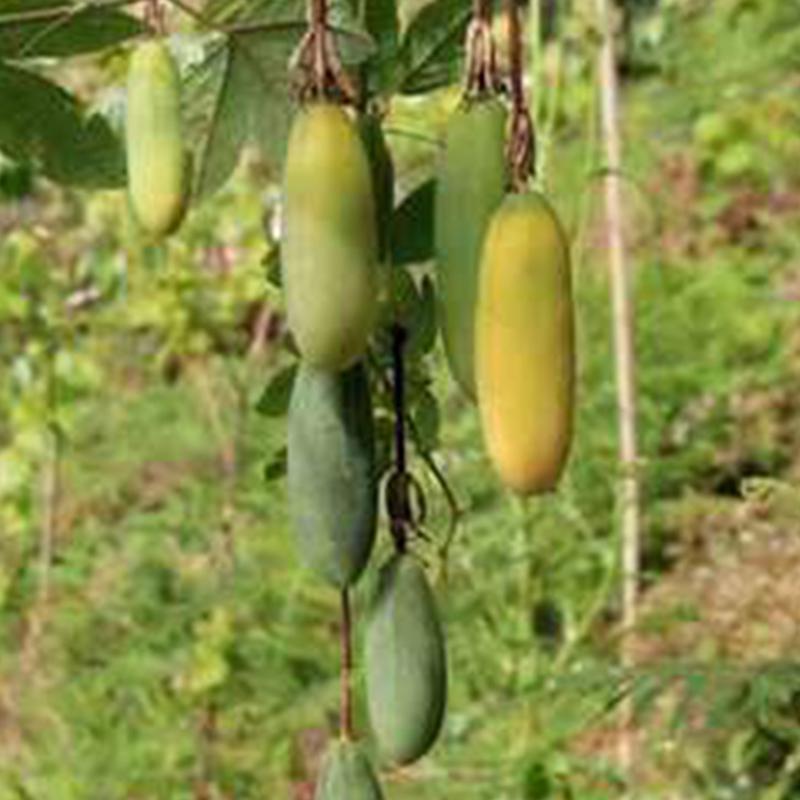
{"x": 158, "y": 638}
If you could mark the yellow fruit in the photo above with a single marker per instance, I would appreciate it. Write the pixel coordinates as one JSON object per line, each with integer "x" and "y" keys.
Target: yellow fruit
{"x": 158, "y": 178}
{"x": 525, "y": 361}
{"x": 329, "y": 248}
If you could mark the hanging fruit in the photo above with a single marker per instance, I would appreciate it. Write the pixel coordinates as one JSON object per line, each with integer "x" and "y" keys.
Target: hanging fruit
{"x": 158, "y": 173}
{"x": 470, "y": 187}
{"x": 347, "y": 775}
{"x": 525, "y": 344}
{"x": 331, "y": 473}
{"x": 405, "y": 662}
{"x": 329, "y": 250}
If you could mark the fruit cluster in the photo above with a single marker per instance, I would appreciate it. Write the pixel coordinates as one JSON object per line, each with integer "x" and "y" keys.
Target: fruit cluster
{"x": 505, "y": 305}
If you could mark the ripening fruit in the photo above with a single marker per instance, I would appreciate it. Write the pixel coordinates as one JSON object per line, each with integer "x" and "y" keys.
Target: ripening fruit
{"x": 158, "y": 174}
{"x": 329, "y": 249}
{"x": 405, "y": 662}
{"x": 347, "y": 775}
{"x": 525, "y": 360}
{"x": 331, "y": 472}
{"x": 471, "y": 185}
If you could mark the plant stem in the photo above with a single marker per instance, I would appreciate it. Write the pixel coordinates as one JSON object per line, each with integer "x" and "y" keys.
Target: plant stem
{"x": 346, "y": 677}
{"x": 67, "y": 10}
{"x": 397, "y": 487}
{"x": 515, "y": 55}
{"x": 399, "y": 397}
{"x": 52, "y": 483}
{"x": 623, "y": 320}
{"x": 521, "y": 141}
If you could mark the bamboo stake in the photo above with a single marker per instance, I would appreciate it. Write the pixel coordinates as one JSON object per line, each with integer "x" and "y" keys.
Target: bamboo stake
{"x": 625, "y": 362}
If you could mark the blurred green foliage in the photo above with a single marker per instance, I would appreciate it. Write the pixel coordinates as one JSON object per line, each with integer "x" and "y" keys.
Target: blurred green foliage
{"x": 177, "y": 647}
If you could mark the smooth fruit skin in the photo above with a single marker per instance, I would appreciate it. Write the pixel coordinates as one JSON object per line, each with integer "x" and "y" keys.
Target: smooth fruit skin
{"x": 405, "y": 662}
{"x": 347, "y": 775}
{"x": 157, "y": 163}
{"x": 470, "y": 187}
{"x": 525, "y": 351}
{"x": 329, "y": 248}
{"x": 331, "y": 469}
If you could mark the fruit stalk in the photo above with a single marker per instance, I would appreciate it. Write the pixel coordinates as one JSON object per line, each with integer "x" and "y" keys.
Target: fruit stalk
{"x": 346, "y": 677}
{"x": 521, "y": 141}
{"x": 398, "y": 523}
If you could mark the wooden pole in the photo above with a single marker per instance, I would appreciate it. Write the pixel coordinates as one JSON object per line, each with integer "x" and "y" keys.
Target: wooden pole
{"x": 625, "y": 359}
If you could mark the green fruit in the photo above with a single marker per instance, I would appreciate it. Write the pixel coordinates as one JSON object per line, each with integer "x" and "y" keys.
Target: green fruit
{"x": 405, "y": 662}
{"x": 472, "y": 179}
{"x": 157, "y": 164}
{"x": 329, "y": 249}
{"x": 382, "y": 169}
{"x": 347, "y": 775}
{"x": 331, "y": 471}
{"x": 525, "y": 351}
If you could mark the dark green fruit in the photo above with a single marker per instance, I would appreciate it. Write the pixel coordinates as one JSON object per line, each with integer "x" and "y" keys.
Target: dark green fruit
{"x": 525, "y": 344}
{"x": 347, "y": 775}
{"x": 329, "y": 250}
{"x": 405, "y": 662}
{"x": 331, "y": 471}
{"x": 471, "y": 184}
{"x": 158, "y": 178}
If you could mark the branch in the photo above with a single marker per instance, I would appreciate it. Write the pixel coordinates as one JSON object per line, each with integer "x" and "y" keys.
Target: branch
{"x": 54, "y": 12}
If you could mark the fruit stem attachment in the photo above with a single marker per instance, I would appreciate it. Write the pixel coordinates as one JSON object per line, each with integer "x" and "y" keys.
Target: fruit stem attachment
{"x": 346, "y": 677}
{"x": 521, "y": 147}
{"x": 321, "y": 74}
{"x": 481, "y": 68}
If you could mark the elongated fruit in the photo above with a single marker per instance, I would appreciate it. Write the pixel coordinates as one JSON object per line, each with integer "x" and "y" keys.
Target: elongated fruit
{"x": 158, "y": 178}
{"x": 405, "y": 662}
{"x": 347, "y": 775}
{"x": 472, "y": 177}
{"x": 329, "y": 251}
{"x": 525, "y": 360}
{"x": 331, "y": 471}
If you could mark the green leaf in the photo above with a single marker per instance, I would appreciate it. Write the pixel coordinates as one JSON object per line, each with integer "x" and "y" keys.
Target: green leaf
{"x": 432, "y": 48}
{"x": 267, "y": 57}
{"x": 381, "y": 22}
{"x": 275, "y": 468}
{"x": 227, "y": 129}
{"x": 412, "y": 226}
{"x": 423, "y": 321}
{"x": 42, "y": 123}
{"x": 274, "y": 400}
{"x": 239, "y": 93}
{"x": 83, "y": 29}
{"x": 427, "y": 419}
